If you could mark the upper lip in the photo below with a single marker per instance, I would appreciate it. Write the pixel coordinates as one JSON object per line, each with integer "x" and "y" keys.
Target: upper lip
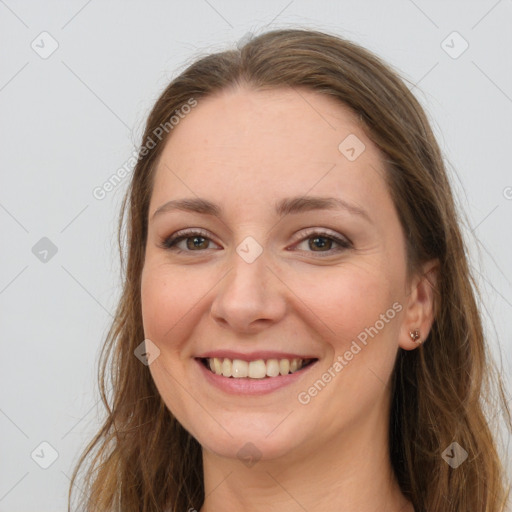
{"x": 253, "y": 356}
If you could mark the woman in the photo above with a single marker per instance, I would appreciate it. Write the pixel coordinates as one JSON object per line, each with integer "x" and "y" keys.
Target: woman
{"x": 298, "y": 328}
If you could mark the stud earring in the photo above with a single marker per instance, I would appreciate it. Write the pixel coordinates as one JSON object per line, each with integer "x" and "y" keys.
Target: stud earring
{"x": 415, "y": 336}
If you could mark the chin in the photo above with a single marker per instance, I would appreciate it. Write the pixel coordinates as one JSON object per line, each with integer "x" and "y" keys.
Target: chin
{"x": 248, "y": 435}
{"x": 248, "y": 449}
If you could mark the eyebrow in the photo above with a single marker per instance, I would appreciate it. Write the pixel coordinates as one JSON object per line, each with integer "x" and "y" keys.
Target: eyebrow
{"x": 283, "y": 207}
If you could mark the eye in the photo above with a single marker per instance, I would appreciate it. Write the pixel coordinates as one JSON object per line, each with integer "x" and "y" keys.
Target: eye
{"x": 197, "y": 240}
{"x": 321, "y": 241}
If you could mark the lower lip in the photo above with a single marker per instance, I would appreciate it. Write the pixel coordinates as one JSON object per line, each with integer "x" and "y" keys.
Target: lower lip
{"x": 247, "y": 386}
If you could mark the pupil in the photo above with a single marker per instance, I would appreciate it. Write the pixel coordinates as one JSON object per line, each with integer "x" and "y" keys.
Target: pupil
{"x": 321, "y": 244}
{"x": 195, "y": 243}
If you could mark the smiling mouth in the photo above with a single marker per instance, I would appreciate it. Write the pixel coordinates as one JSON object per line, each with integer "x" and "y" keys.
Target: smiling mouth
{"x": 258, "y": 369}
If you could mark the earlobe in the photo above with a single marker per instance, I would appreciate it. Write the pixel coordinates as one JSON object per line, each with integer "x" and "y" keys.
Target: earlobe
{"x": 420, "y": 312}
{"x": 416, "y": 336}
{"x": 414, "y": 340}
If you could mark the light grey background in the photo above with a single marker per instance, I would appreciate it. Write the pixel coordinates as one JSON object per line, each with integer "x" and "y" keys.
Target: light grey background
{"x": 70, "y": 120}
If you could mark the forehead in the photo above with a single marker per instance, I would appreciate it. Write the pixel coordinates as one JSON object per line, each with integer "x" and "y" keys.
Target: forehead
{"x": 269, "y": 143}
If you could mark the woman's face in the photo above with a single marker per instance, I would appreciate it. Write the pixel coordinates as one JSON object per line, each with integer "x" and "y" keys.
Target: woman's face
{"x": 272, "y": 271}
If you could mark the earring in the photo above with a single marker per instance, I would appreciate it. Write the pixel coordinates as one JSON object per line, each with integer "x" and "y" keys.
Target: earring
{"x": 415, "y": 336}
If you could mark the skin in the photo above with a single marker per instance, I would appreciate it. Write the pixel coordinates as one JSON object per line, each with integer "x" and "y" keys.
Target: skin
{"x": 244, "y": 150}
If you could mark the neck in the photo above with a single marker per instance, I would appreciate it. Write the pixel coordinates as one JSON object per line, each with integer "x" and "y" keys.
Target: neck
{"x": 351, "y": 472}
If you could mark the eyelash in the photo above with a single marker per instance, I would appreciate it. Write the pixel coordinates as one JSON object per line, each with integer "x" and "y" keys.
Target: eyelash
{"x": 170, "y": 242}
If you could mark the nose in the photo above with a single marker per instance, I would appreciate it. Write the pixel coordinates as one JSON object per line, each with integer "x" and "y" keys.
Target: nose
{"x": 251, "y": 297}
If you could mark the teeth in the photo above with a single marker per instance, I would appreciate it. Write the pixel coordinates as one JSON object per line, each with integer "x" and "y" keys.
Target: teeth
{"x": 226, "y": 367}
{"x": 272, "y": 367}
{"x": 258, "y": 369}
{"x": 240, "y": 368}
{"x": 217, "y": 366}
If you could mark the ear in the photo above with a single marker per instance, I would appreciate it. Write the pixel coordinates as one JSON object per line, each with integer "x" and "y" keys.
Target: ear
{"x": 421, "y": 306}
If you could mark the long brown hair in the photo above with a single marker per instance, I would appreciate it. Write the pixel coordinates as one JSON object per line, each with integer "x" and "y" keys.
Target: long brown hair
{"x": 144, "y": 460}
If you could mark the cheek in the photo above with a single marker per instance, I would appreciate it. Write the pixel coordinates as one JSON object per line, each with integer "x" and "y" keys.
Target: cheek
{"x": 355, "y": 303}
{"x": 347, "y": 299}
{"x": 166, "y": 298}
